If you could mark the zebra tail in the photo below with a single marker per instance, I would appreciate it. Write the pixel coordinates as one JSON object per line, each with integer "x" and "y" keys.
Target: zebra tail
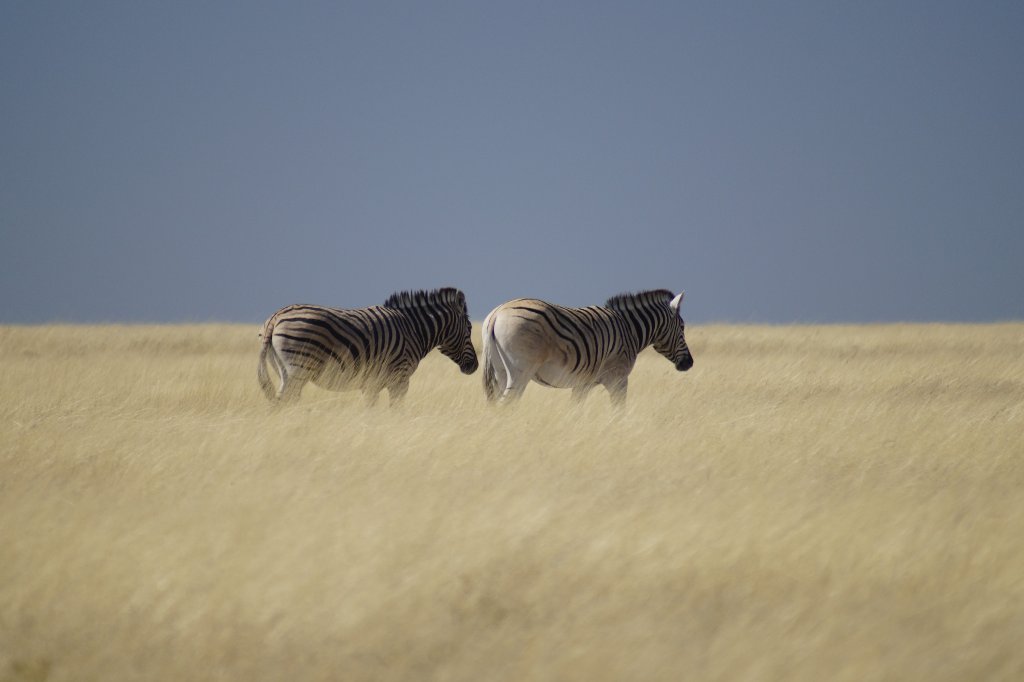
{"x": 490, "y": 380}
{"x": 261, "y": 368}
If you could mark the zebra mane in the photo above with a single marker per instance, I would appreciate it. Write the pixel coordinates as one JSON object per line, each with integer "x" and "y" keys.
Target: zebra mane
{"x": 424, "y": 298}
{"x": 641, "y": 299}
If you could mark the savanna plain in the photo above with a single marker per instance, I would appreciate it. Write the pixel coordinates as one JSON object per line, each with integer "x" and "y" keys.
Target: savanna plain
{"x": 807, "y": 503}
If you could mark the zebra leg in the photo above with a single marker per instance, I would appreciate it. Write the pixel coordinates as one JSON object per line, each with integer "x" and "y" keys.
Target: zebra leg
{"x": 261, "y": 370}
{"x": 293, "y": 376}
{"x": 517, "y": 381}
{"x": 617, "y": 391}
{"x": 494, "y": 375}
{"x": 291, "y": 387}
{"x": 516, "y": 378}
{"x": 511, "y": 376}
{"x": 495, "y": 379}
{"x": 370, "y": 395}
{"x": 579, "y": 393}
{"x": 397, "y": 391}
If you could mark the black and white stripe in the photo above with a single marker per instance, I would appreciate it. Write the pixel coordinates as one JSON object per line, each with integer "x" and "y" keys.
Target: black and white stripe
{"x": 531, "y": 340}
{"x": 366, "y": 348}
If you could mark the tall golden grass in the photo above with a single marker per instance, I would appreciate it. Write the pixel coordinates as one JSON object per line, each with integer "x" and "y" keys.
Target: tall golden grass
{"x": 808, "y": 503}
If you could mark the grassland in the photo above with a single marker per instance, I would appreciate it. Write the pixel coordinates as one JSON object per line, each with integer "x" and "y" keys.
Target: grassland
{"x": 808, "y": 503}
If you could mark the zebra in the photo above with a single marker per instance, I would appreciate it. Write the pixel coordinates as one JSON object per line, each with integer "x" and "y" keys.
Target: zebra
{"x": 579, "y": 348}
{"x": 364, "y": 348}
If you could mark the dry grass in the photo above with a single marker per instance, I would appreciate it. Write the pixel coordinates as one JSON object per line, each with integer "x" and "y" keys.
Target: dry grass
{"x": 841, "y": 503}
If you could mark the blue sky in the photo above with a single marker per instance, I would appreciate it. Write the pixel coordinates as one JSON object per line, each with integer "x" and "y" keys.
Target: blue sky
{"x": 782, "y": 162}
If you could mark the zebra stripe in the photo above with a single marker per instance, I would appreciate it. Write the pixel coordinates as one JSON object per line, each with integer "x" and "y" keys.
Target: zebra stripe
{"x": 531, "y": 340}
{"x": 366, "y": 348}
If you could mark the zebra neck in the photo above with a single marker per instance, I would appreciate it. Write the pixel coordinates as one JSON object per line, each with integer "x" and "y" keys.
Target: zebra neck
{"x": 642, "y": 331}
{"x": 428, "y": 330}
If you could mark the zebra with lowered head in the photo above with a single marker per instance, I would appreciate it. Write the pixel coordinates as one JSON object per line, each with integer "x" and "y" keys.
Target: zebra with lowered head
{"x": 530, "y": 340}
{"x": 364, "y": 348}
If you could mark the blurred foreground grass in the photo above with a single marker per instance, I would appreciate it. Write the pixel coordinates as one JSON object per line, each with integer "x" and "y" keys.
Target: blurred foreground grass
{"x": 807, "y": 503}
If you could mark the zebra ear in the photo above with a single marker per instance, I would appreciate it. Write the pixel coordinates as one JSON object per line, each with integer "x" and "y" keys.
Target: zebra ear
{"x": 676, "y": 302}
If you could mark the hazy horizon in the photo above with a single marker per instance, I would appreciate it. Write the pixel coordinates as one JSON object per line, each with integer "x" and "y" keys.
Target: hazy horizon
{"x": 792, "y": 163}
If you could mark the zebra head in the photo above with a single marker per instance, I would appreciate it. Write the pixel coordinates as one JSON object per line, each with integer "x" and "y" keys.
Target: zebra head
{"x": 456, "y": 342}
{"x": 670, "y": 340}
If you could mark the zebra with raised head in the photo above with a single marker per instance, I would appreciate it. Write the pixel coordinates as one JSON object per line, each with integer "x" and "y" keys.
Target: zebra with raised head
{"x": 530, "y": 340}
{"x": 364, "y": 348}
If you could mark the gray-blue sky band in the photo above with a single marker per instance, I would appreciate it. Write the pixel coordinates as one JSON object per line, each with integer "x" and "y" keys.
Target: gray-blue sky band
{"x": 795, "y": 161}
